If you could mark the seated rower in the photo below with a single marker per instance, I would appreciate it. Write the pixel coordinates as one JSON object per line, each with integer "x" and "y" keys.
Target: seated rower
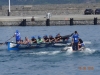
{"x": 21, "y": 41}
{"x": 51, "y": 39}
{"x": 33, "y": 40}
{"x": 80, "y": 44}
{"x": 58, "y": 38}
{"x": 39, "y": 40}
{"x": 46, "y": 39}
{"x": 27, "y": 41}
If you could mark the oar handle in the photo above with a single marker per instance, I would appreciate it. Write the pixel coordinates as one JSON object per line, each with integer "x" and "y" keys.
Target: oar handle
{"x": 10, "y": 39}
{"x": 6, "y": 41}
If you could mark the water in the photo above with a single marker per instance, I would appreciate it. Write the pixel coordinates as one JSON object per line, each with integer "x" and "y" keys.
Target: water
{"x": 51, "y": 61}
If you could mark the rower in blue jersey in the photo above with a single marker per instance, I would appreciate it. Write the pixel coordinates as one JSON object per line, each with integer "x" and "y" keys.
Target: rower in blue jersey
{"x": 17, "y": 35}
{"x": 75, "y": 39}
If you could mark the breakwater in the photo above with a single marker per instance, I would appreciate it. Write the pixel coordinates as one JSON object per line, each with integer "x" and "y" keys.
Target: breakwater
{"x": 61, "y": 14}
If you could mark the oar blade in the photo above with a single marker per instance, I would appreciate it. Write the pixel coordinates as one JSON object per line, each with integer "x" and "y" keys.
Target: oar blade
{"x": 1, "y": 43}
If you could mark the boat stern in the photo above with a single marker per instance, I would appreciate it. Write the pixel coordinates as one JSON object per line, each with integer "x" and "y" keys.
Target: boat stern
{"x": 12, "y": 46}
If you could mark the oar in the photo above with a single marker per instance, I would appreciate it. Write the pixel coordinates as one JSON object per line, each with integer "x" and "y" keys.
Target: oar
{"x": 6, "y": 41}
{"x": 10, "y": 39}
{"x": 61, "y": 44}
{"x": 1, "y": 43}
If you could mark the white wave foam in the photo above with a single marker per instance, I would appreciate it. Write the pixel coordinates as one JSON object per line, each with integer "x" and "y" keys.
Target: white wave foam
{"x": 39, "y": 53}
{"x": 46, "y": 53}
{"x": 88, "y": 51}
{"x": 87, "y": 42}
{"x": 54, "y": 52}
{"x": 69, "y": 51}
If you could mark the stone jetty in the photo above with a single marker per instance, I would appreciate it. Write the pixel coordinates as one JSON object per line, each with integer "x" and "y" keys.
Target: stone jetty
{"x": 61, "y": 14}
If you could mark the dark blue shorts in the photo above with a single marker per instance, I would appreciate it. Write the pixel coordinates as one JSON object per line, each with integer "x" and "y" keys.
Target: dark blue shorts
{"x": 75, "y": 46}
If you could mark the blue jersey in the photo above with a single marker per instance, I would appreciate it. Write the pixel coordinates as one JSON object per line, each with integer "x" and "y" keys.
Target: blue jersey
{"x": 18, "y": 38}
{"x": 75, "y": 37}
{"x": 82, "y": 44}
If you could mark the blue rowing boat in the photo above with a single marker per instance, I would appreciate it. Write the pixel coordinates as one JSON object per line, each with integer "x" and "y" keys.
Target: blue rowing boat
{"x": 15, "y": 46}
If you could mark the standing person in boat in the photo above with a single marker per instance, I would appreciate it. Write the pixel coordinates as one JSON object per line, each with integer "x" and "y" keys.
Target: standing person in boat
{"x": 75, "y": 39}
{"x": 17, "y": 35}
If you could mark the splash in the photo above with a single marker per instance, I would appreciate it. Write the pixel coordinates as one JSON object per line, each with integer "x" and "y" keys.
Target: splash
{"x": 68, "y": 50}
{"x": 88, "y": 51}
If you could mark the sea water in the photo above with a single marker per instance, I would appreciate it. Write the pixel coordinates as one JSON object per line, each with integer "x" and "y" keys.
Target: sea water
{"x": 51, "y": 61}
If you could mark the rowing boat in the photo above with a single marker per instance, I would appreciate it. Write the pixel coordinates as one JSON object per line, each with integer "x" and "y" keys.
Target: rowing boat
{"x": 15, "y": 46}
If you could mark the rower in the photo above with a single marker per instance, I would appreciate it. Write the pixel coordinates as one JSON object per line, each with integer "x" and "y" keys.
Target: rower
{"x": 46, "y": 39}
{"x": 33, "y": 40}
{"x": 80, "y": 44}
{"x": 26, "y": 41}
{"x": 39, "y": 40}
{"x": 17, "y": 35}
{"x": 51, "y": 38}
{"x": 58, "y": 38}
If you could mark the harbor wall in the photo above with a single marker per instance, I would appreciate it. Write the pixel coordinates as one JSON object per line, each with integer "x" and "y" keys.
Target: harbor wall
{"x": 38, "y": 10}
{"x": 52, "y": 23}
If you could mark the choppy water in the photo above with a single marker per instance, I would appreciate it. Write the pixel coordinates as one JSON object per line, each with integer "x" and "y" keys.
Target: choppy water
{"x": 51, "y": 61}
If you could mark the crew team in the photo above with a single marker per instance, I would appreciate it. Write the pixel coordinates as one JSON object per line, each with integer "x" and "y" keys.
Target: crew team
{"x": 45, "y": 39}
{"x": 77, "y": 43}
